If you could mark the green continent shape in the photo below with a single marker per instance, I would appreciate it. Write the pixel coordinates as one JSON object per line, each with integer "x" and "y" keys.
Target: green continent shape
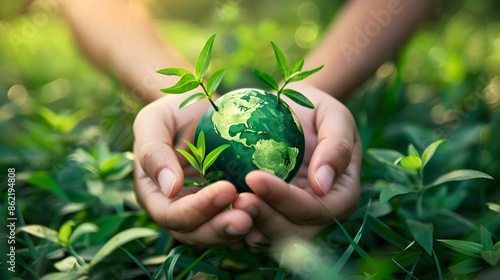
{"x": 235, "y": 111}
{"x": 275, "y": 157}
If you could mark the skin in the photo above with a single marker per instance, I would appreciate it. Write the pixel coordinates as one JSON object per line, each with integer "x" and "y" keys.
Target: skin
{"x": 121, "y": 35}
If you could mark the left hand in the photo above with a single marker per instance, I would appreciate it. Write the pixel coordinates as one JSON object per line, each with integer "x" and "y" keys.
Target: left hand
{"x": 327, "y": 184}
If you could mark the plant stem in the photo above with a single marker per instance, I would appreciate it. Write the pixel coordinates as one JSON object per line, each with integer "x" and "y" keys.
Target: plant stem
{"x": 208, "y": 97}
{"x": 420, "y": 199}
{"x": 80, "y": 261}
{"x": 279, "y": 93}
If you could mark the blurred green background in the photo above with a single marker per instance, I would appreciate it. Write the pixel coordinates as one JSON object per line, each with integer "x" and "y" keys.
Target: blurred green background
{"x": 60, "y": 116}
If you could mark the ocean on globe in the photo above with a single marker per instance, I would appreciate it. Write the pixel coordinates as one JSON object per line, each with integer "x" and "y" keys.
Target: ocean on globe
{"x": 262, "y": 136}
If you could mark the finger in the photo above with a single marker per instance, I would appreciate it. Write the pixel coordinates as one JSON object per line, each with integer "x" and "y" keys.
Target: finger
{"x": 226, "y": 228}
{"x": 296, "y": 204}
{"x": 186, "y": 213}
{"x": 154, "y": 149}
{"x": 336, "y": 135}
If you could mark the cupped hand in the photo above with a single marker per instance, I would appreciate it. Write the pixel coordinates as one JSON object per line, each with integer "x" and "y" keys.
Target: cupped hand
{"x": 194, "y": 216}
{"x": 326, "y": 186}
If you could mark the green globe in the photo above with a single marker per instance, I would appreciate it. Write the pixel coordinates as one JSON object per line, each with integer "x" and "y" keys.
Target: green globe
{"x": 262, "y": 135}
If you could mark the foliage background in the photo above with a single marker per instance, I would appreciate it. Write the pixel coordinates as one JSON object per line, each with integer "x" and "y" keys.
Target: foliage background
{"x": 67, "y": 130}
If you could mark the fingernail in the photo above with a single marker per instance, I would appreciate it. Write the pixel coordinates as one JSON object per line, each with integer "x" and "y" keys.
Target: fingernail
{"x": 324, "y": 177}
{"x": 231, "y": 231}
{"x": 166, "y": 179}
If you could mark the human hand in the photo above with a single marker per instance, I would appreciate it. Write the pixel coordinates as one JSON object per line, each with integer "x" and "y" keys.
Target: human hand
{"x": 193, "y": 216}
{"x": 326, "y": 185}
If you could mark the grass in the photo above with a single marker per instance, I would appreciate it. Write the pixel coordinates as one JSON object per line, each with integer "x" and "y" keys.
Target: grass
{"x": 67, "y": 132}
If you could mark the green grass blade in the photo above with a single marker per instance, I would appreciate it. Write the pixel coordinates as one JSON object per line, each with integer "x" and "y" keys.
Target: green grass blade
{"x": 141, "y": 266}
{"x": 176, "y": 254}
{"x": 212, "y": 156}
{"x": 280, "y": 58}
{"x": 458, "y": 175}
{"x": 186, "y": 83}
{"x": 173, "y": 72}
{"x": 192, "y": 99}
{"x": 214, "y": 81}
{"x": 203, "y": 60}
{"x": 429, "y": 151}
{"x": 266, "y": 79}
{"x": 298, "y": 98}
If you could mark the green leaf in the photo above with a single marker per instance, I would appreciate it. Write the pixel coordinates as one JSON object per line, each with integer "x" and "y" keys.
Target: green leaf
{"x": 297, "y": 66}
{"x": 385, "y": 155}
{"x": 392, "y": 190}
{"x": 266, "y": 79}
{"x": 493, "y": 206}
{"x": 422, "y": 232}
{"x": 486, "y": 239}
{"x": 491, "y": 257}
{"x": 120, "y": 239}
{"x": 412, "y": 151}
{"x": 200, "y": 144}
{"x": 173, "y": 71}
{"x": 280, "y": 58}
{"x": 413, "y": 163}
{"x": 65, "y": 231}
{"x": 459, "y": 175}
{"x": 214, "y": 81}
{"x": 44, "y": 181}
{"x": 469, "y": 248}
{"x": 41, "y": 232}
{"x": 466, "y": 267}
{"x": 298, "y": 98}
{"x": 82, "y": 230}
{"x": 192, "y": 99}
{"x": 194, "y": 151}
{"x": 108, "y": 164}
{"x": 496, "y": 247}
{"x": 189, "y": 158}
{"x": 304, "y": 74}
{"x": 204, "y": 58}
{"x": 212, "y": 156}
{"x": 186, "y": 83}
{"x": 429, "y": 151}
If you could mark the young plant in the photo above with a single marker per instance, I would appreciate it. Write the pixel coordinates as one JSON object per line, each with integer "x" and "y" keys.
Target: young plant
{"x": 190, "y": 81}
{"x": 201, "y": 162}
{"x": 292, "y": 74}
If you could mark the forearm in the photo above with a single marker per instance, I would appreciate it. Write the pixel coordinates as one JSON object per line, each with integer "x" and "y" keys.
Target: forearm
{"x": 366, "y": 34}
{"x": 118, "y": 34}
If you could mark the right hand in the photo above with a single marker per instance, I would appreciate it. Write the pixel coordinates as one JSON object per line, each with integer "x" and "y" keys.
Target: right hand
{"x": 193, "y": 216}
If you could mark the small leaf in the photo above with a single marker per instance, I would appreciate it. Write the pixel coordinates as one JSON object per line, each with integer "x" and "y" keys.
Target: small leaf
{"x": 120, "y": 239}
{"x": 299, "y": 76}
{"x": 186, "y": 83}
{"x": 386, "y": 233}
{"x": 266, "y": 79}
{"x": 214, "y": 81}
{"x": 298, "y": 98}
{"x": 194, "y": 151}
{"x": 280, "y": 58}
{"x": 412, "y": 151}
{"x": 493, "y": 206}
{"x": 491, "y": 257}
{"x": 188, "y": 182}
{"x": 393, "y": 190}
{"x": 486, "y": 239}
{"x": 82, "y": 230}
{"x": 411, "y": 163}
{"x": 469, "y": 248}
{"x": 204, "y": 58}
{"x": 459, "y": 175}
{"x": 139, "y": 264}
{"x": 192, "y": 99}
{"x": 422, "y": 232}
{"x": 189, "y": 158}
{"x": 41, "y": 232}
{"x": 44, "y": 181}
{"x": 173, "y": 72}
{"x": 466, "y": 267}
{"x": 200, "y": 144}
{"x": 212, "y": 156}
{"x": 297, "y": 66}
{"x": 429, "y": 151}
{"x": 65, "y": 231}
